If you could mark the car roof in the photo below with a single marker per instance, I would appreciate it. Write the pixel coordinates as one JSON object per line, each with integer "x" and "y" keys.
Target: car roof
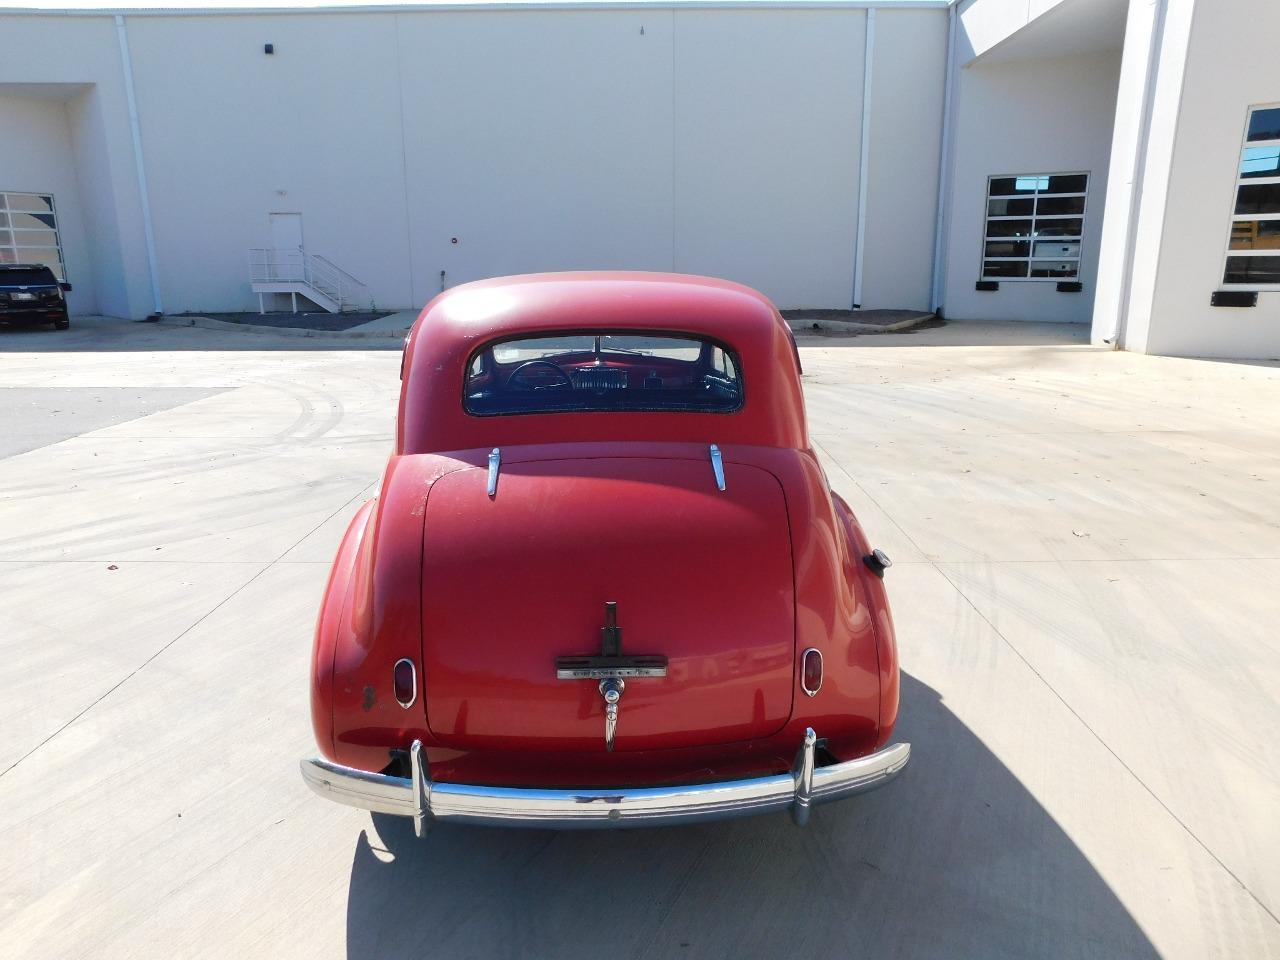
{"x": 531, "y": 303}
{"x": 466, "y": 318}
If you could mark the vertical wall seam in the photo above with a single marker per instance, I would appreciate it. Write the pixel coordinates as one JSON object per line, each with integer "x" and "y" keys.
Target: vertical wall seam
{"x": 135, "y": 128}
{"x": 864, "y": 156}
{"x": 404, "y": 167}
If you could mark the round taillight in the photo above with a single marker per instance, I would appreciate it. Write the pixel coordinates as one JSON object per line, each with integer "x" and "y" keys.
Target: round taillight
{"x": 811, "y": 671}
{"x": 404, "y": 680}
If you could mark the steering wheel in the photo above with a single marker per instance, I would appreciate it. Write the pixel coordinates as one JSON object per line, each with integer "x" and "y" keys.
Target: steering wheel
{"x": 517, "y": 379}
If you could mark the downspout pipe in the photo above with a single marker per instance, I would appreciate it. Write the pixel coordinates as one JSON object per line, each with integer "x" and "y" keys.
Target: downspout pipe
{"x": 143, "y": 196}
{"x": 864, "y": 156}
{"x": 945, "y": 163}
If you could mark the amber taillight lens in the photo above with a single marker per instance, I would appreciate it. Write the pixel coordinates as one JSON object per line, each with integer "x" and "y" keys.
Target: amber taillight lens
{"x": 405, "y": 681}
{"x": 811, "y": 671}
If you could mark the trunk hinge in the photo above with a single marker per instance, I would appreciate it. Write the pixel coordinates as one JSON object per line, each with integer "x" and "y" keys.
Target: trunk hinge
{"x": 495, "y": 464}
{"x": 717, "y": 466}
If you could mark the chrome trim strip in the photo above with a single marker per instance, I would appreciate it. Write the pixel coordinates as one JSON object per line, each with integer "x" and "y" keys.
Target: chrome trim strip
{"x": 495, "y": 464}
{"x": 717, "y": 466}
{"x": 414, "y": 675}
{"x": 803, "y": 657}
{"x": 425, "y": 801}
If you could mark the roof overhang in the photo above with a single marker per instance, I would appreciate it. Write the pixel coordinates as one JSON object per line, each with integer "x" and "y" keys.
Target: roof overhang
{"x": 998, "y": 31}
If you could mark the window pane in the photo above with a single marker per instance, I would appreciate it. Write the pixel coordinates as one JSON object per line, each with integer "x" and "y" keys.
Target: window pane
{"x": 1053, "y": 206}
{"x": 30, "y": 202}
{"x": 1008, "y": 248}
{"x": 1057, "y": 248}
{"x": 49, "y": 257}
{"x": 1265, "y": 124}
{"x": 602, "y": 371}
{"x": 997, "y": 269}
{"x": 1255, "y": 235}
{"x": 1058, "y": 268}
{"x": 1009, "y": 228}
{"x": 25, "y": 277}
{"x": 35, "y": 238}
{"x": 674, "y": 348}
{"x": 32, "y": 221}
{"x": 7, "y": 255}
{"x": 1010, "y": 208}
{"x": 1068, "y": 183}
{"x": 6, "y": 238}
{"x": 1007, "y": 186}
{"x": 4, "y": 219}
{"x": 1260, "y": 162}
{"x": 525, "y": 350}
{"x": 1258, "y": 198}
{"x": 1059, "y": 228}
{"x": 1252, "y": 270}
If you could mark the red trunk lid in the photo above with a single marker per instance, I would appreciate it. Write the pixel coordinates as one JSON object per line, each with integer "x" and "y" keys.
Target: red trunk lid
{"x": 700, "y": 576}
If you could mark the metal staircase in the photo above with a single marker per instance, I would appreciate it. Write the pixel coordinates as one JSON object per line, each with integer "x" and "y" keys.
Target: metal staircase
{"x": 310, "y": 275}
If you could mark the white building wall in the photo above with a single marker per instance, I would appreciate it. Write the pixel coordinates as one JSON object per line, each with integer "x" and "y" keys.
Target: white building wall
{"x": 1018, "y": 117}
{"x": 715, "y": 141}
{"x": 907, "y": 89}
{"x": 36, "y": 157}
{"x": 540, "y": 140}
{"x": 1230, "y": 65}
{"x": 767, "y": 134}
{"x": 231, "y": 135}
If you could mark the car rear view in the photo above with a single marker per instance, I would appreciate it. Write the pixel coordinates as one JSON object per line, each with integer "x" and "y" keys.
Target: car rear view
{"x": 605, "y": 583}
{"x": 31, "y": 294}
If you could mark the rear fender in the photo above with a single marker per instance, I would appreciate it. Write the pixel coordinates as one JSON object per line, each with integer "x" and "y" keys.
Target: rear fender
{"x": 378, "y": 576}
{"x": 328, "y": 625}
{"x": 878, "y": 601}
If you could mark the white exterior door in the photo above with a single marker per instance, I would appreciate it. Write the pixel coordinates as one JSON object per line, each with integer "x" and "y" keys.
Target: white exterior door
{"x": 286, "y": 244}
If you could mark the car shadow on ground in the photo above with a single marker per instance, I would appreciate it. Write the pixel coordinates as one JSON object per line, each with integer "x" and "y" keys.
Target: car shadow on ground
{"x": 956, "y": 859}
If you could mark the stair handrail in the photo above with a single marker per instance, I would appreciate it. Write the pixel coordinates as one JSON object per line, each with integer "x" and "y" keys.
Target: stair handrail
{"x": 269, "y": 265}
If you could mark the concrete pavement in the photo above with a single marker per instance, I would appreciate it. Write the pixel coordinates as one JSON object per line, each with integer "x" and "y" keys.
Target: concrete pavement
{"x": 1086, "y": 548}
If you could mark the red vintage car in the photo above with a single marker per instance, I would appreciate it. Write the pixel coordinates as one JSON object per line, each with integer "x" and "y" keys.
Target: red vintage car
{"x": 605, "y": 582}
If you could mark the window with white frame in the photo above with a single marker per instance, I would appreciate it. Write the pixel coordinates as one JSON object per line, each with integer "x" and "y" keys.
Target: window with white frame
{"x": 1035, "y": 222}
{"x": 1253, "y": 252}
{"x": 29, "y": 231}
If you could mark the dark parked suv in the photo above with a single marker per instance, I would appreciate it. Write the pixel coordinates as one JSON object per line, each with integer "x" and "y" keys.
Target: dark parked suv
{"x": 30, "y": 293}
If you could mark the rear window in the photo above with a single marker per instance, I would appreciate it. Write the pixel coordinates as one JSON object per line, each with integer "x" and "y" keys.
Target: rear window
{"x": 26, "y": 276}
{"x": 583, "y": 372}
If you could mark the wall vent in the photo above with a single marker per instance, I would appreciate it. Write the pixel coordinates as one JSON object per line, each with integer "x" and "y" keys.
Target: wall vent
{"x": 1234, "y": 298}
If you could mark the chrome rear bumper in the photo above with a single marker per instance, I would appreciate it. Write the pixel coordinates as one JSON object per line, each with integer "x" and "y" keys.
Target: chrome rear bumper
{"x": 423, "y": 800}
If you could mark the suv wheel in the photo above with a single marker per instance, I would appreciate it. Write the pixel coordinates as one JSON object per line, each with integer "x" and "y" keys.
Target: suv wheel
{"x": 61, "y": 324}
